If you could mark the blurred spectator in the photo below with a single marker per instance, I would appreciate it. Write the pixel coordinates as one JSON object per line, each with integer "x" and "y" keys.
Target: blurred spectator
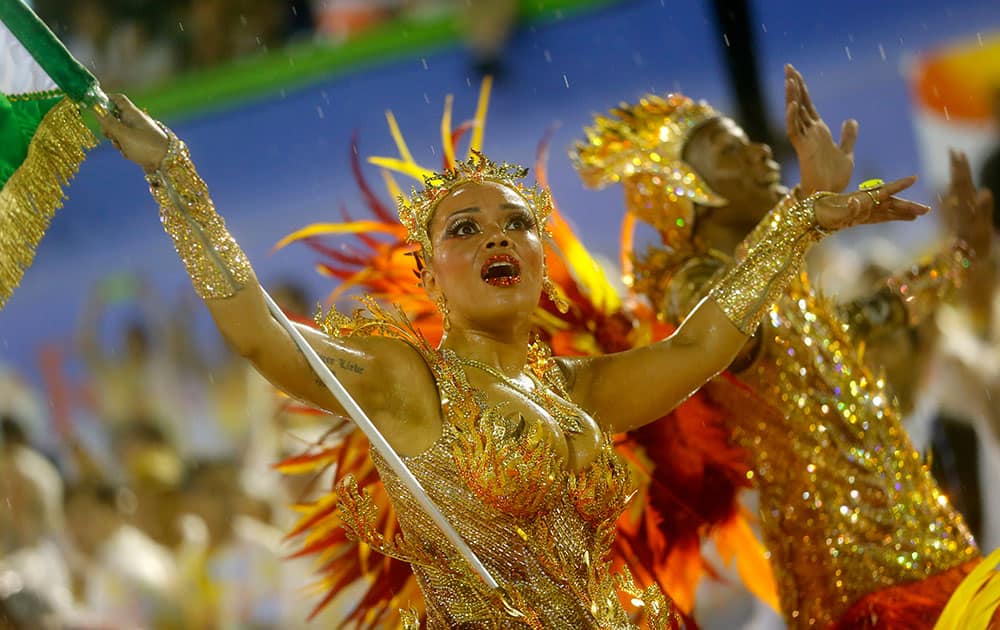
{"x": 126, "y": 578}
{"x": 206, "y": 25}
{"x": 11, "y": 433}
{"x": 91, "y": 26}
{"x": 153, "y": 471}
{"x": 340, "y": 20}
{"x": 133, "y": 379}
{"x": 240, "y": 578}
{"x": 123, "y": 43}
{"x": 221, "y": 30}
{"x": 34, "y": 579}
{"x": 23, "y": 412}
{"x": 486, "y": 26}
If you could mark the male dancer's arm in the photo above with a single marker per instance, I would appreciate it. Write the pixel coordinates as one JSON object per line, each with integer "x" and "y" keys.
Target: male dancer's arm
{"x": 912, "y": 296}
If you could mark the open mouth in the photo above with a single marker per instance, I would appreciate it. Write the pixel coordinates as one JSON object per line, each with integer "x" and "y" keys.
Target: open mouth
{"x": 501, "y": 270}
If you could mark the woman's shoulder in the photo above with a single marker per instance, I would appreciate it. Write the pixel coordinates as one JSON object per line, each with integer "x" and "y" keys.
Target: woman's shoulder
{"x": 389, "y": 329}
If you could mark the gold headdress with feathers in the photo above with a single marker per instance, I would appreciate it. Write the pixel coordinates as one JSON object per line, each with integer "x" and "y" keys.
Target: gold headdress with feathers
{"x": 416, "y": 210}
{"x": 648, "y": 138}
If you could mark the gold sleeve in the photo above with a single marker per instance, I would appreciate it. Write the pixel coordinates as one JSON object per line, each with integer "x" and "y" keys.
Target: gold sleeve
{"x": 909, "y": 298}
{"x": 925, "y": 286}
{"x": 763, "y": 228}
{"x": 883, "y": 310}
{"x": 774, "y": 258}
{"x": 689, "y": 285}
{"x": 215, "y": 262}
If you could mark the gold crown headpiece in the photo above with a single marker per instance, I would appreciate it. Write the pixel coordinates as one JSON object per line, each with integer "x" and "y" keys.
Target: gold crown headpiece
{"x": 416, "y": 210}
{"x": 647, "y": 138}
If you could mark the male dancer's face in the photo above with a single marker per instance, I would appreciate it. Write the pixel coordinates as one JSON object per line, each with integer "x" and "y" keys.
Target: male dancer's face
{"x": 741, "y": 171}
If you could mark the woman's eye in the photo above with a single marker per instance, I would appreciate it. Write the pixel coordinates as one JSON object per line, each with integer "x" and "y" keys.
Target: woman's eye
{"x": 519, "y": 223}
{"x": 463, "y": 228}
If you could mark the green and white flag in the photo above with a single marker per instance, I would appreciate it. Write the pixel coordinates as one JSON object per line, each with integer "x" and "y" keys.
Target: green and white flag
{"x": 42, "y": 135}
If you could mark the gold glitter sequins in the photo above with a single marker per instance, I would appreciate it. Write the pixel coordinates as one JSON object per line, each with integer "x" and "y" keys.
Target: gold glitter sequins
{"x": 215, "y": 262}
{"x": 750, "y": 287}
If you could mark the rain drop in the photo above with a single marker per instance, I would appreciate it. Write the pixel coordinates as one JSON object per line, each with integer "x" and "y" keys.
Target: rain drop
{"x": 566, "y": 80}
{"x": 548, "y": 56}
{"x": 424, "y": 62}
{"x": 763, "y": 27}
{"x": 725, "y": 38}
{"x": 427, "y": 99}
{"x": 979, "y": 38}
{"x": 847, "y": 49}
{"x": 881, "y": 51}
{"x": 320, "y": 113}
{"x": 180, "y": 27}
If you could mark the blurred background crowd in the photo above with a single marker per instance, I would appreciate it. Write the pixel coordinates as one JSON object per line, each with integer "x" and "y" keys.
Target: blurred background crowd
{"x": 137, "y": 486}
{"x": 136, "y": 43}
{"x": 143, "y": 494}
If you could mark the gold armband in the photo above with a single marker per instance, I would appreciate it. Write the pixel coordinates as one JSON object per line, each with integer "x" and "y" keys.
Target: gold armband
{"x": 930, "y": 283}
{"x": 215, "y": 262}
{"x": 877, "y": 314}
{"x": 775, "y": 257}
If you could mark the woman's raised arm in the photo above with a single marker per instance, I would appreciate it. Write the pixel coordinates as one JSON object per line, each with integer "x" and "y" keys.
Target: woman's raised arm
{"x": 369, "y": 367}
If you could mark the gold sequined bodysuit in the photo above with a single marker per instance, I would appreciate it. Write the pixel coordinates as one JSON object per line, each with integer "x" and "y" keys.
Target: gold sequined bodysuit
{"x": 847, "y": 505}
{"x": 544, "y": 533}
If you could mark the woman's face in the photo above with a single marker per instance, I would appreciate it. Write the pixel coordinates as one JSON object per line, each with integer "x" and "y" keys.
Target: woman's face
{"x": 488, "y": 255}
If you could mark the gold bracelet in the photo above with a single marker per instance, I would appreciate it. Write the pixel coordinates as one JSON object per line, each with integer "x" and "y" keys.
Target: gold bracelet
{"x": 927, "y": 285}
{"x": 775, "y": 257}
{"x": 214, "y": 260}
